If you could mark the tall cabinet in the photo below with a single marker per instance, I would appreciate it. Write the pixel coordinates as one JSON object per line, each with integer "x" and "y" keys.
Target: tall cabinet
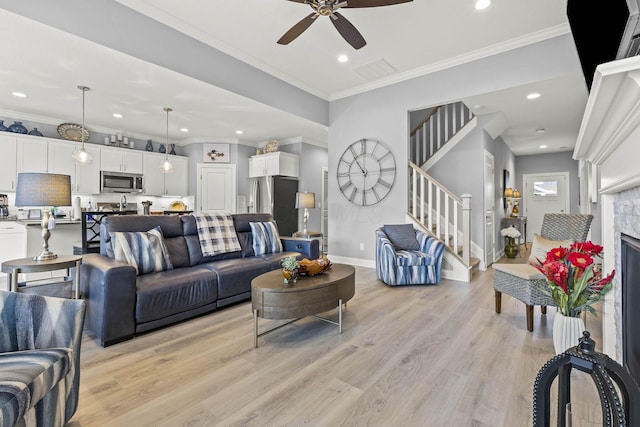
{"x": 8, "y": 171}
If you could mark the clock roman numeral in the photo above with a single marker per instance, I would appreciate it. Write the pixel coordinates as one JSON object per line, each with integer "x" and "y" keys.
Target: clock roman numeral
{"x": 344, "y": 186}
{"x": 384, "y": 183}
{"x": 387, "y": 154}
{"x": 387, "y": 170}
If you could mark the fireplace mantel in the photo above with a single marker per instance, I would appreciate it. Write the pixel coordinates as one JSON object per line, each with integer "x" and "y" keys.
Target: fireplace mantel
{"x": 608, "y": 148}
{"x": 610, "y": 131}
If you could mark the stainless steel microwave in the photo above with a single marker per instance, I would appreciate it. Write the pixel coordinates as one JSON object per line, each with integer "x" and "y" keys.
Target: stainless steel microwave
{"x": 121, "y": 182}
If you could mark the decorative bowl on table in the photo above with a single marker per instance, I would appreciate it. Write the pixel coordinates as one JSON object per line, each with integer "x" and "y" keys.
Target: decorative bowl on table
{"x": 310, "y": 267}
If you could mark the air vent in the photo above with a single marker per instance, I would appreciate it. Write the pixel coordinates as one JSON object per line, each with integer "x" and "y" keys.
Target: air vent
{"x": 375, "y": 70}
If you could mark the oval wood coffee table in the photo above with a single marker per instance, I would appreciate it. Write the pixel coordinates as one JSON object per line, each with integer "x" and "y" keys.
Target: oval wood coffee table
{"x": 272, "y": 299}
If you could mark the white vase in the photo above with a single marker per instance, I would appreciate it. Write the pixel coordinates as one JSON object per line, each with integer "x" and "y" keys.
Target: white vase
{"x": 566, "y": 332}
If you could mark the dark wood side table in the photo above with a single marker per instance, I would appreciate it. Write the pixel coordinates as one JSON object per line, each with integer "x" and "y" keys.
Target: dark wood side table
{"x": 27, "y": 265}
{"x": 311, "y": 235}
{"x": 520, "y": 223}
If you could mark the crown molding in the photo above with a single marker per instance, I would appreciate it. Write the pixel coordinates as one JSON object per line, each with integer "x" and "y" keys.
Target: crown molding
{"x": 515, "y": 43}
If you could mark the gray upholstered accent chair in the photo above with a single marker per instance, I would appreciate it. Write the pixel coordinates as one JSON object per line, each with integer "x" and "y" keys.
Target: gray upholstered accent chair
{"x": 523, "y": 281}
{"x": 39, "y": 359}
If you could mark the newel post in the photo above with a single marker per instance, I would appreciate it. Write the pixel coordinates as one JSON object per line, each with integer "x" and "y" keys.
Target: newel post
{"x": 466, "y": 228}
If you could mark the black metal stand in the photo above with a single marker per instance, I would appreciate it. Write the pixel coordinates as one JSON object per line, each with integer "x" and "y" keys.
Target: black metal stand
{"x": 620, "y": 406}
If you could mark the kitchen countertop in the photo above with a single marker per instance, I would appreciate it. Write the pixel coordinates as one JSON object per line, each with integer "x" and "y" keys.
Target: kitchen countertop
{"x": 59, "y": 221}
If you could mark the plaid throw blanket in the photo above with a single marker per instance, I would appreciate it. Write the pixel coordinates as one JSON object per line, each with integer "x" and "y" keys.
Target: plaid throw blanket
{"x": 216, "y": 233}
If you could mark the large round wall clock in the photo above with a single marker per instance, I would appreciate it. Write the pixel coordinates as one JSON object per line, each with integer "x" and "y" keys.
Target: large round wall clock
{"x": 366, "y": 172}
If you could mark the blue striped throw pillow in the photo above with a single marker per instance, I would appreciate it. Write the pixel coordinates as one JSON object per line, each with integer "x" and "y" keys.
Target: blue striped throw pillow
{"x": 145, "y": 251}
{"x": 266, "y": 239}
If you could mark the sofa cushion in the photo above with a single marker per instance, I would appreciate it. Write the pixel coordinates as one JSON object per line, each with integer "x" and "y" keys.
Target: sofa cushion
{"x": 402, "y": 236}
{"x": 145, "y": 251}
{"x": 266, "y": 239}
{"x": 275, "y": 259}
{"x": 169, "y": 292}
{"x": 27, "y": 376}
{"x": 234, "y": 276}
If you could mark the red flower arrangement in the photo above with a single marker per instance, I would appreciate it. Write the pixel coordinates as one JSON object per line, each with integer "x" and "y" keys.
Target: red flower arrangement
{"x": 575, "y": 284}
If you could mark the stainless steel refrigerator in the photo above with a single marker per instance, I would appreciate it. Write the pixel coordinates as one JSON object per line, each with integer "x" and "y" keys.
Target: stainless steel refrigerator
{"x": 276, "y": 195}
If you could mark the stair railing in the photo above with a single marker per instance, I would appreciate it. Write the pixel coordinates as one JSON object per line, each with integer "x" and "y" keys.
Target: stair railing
{"x": 436, "y": 129}
{"x": 442, "y": 213}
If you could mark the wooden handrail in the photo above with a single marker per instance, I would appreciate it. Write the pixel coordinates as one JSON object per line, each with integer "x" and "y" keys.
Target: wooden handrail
{"x": 426, "y": 119}
{"x": 430, "y": 178}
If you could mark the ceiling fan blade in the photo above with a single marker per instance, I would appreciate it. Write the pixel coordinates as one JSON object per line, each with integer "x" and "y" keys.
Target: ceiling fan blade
{"x": 347, "y": 30}
{"x": 298, "y": 29}
{"x": 373, "y": 3}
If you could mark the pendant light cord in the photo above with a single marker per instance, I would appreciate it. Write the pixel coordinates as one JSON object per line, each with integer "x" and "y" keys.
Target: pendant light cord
{"x": 166, "y": 153}
{"x": 83, "y": 89}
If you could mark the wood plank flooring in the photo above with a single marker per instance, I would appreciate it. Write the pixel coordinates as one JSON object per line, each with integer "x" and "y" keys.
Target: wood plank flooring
{"x": 408, "y": 356}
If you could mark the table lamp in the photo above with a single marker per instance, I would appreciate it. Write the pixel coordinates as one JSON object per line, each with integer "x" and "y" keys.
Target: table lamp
{"x": 47, "y": 190}
{"x": 305, "y": 200}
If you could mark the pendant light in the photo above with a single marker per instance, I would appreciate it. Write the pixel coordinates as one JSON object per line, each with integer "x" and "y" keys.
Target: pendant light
{"x": 82, "y": 156}
{"x": 167, "y": 165}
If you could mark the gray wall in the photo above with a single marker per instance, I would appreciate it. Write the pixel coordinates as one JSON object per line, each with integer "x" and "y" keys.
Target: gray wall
{"x": 548, "y": 163}
{"x": 560, "y": 162}
{"x": 382, "y": 114}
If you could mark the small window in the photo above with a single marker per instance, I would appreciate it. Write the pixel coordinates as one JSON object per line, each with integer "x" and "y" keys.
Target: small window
{"x": 545, "y": 188}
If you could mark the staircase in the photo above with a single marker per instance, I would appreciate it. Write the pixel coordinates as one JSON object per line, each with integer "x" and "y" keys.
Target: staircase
{"x": 432, "y": 207}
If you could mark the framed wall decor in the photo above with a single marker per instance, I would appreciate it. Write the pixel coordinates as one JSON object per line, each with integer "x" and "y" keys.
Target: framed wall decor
{"x": 215, "y": 153}
{"x": 506, "y": 183}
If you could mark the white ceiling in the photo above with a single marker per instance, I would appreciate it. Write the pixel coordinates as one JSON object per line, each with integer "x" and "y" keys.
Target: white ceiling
{"x": 414, "y": 38}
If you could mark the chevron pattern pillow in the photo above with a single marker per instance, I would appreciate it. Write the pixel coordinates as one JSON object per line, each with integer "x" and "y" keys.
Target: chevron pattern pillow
{"x": 145, "y": 251}
{"x": 266, "y": 239}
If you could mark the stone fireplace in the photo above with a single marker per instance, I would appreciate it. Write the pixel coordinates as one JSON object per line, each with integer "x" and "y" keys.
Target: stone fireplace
{"x": 608, "y": 148}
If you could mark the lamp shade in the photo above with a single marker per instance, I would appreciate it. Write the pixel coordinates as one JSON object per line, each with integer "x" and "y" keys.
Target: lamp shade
{"x": 508, "y": 192}
{"x": 516, "y": 194}
{"x": 305, "y": 200}
{"x": 43, "y": 189}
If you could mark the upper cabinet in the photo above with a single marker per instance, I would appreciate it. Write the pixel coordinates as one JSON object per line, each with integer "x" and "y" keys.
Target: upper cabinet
{"x": 85, "y": 178}
{"x": 120, "y": 160}
{"x": 278, "y": 163}
{"x": 157, "y": 183}
{"x": 8, "y": 171}
{"x": 32, "y": 154}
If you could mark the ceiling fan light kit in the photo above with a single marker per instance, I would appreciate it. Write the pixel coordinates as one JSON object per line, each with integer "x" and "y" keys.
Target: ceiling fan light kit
{"x": 330, "y": 8}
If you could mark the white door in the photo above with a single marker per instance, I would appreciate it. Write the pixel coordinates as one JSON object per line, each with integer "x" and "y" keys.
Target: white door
{"x": 216, "y": 188}
{"x": 489, "y": 209}
{"x": 544, "y": 193}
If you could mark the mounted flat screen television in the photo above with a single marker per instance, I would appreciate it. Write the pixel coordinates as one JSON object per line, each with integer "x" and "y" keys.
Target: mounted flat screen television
{"x": 604, "y": 31}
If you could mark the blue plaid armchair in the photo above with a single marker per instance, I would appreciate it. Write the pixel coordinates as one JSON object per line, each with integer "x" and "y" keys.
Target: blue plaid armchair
{"x": 419, "y": 266}
{"x": 39, "y": 359}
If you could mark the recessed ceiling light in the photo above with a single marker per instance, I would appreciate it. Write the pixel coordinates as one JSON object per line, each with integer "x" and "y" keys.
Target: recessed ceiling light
{"x": 533, "y": 95}
{"x": 540, "y": 130}
{"x": 117, "y": 115}
{"x": 19, "y": 94}
{"x": 239, "y": 132}
{"x": 543, "y": 146}
{"x": 482, "y": 4}
{"x": 184, "y": 130}
{"x": 343, "y": 58}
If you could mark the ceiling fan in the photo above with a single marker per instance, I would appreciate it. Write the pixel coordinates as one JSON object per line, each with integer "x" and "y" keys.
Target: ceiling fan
{"x": 330, "y": 8}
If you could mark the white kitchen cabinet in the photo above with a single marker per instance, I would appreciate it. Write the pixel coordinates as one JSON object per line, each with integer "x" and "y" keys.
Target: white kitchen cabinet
{"x": 13, "y": 244}
{"x": 278, "y": 163}
{"x": 120, "y": 160}
{"x": 157, "y": 183}
{"x": 85, "y": 178}
{"x": 8, "y": 171}
{"x": 32, "y": 154}
{"x": 176, "y": 183}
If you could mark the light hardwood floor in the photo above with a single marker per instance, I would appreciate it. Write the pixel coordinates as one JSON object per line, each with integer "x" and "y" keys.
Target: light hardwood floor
{"x": 408, "y": 356}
